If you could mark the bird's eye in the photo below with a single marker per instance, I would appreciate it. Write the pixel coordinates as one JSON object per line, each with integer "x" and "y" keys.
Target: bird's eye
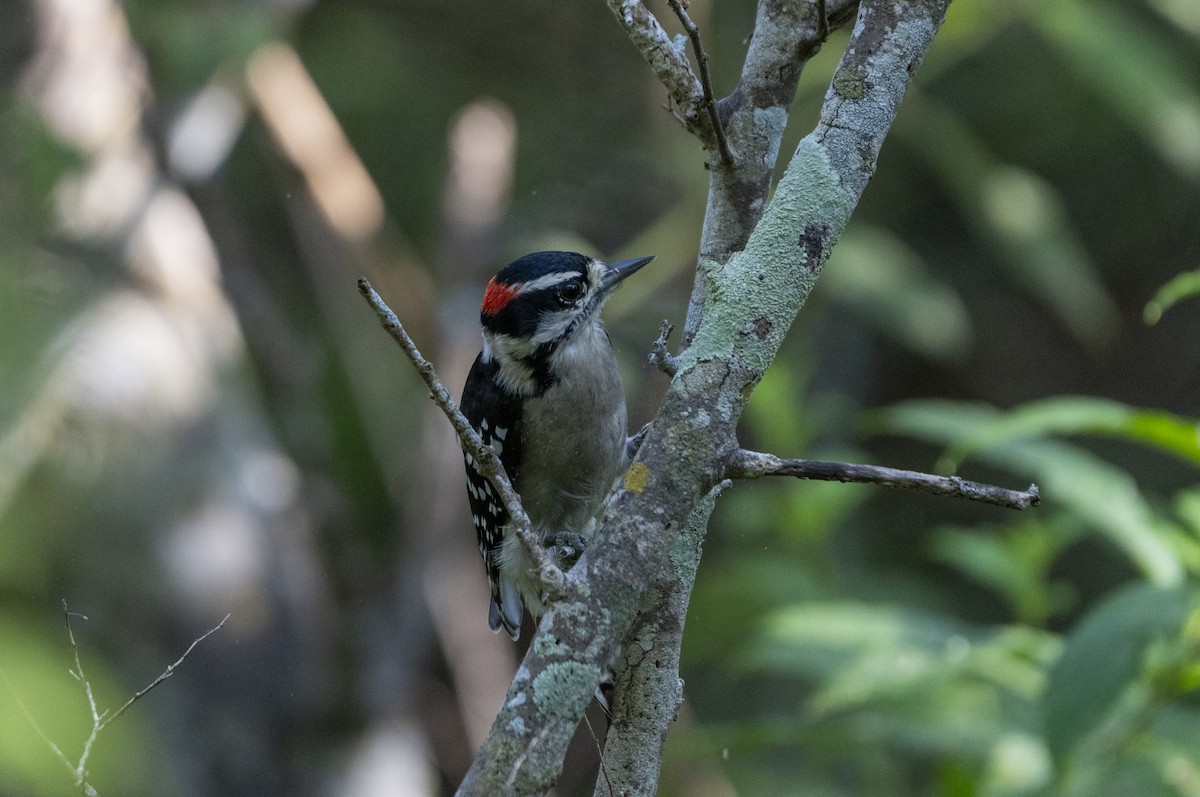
{"x": 570, "y": 292}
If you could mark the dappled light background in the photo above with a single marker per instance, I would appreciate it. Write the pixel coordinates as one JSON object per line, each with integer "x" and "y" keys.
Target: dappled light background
{"x": 200, "y": 417}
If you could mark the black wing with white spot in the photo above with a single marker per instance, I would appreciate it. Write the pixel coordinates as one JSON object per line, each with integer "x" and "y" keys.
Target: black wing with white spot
{"x": 496, "y": 415}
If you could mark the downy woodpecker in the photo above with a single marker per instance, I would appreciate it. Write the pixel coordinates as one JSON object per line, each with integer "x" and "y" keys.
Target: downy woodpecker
{"x": 546, "y": 394}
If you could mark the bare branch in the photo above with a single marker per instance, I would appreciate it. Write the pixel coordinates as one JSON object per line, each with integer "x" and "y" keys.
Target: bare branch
{"x": 743, "y": 464}
{"x": 167, "y": 673}
{"x": 660, "y": 357}
{"x": 486, "y": 459}
{"x": 710, "y": 102}
{"x": 80, "y": 769}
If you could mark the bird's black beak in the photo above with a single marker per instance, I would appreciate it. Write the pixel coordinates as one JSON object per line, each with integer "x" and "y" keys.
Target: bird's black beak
{"x": 619, "y": 271}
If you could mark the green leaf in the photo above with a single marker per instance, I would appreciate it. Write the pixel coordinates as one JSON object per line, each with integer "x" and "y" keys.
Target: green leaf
{"x": 1103, "y": 655}
{"x": 1187, "y": 507}
{"x": 1065, "y": 415}
{"x": 1101, "y": 495}
{"x": 1181, "y": 287}
{"x": 821, "y": 638}
{"x": 1014, "y": 561}
{"x": 1183, "y": 14}
{"x": 878, "y": 276}
{"x": 1021, "y": 214}
{"x": 1134, "y": 68}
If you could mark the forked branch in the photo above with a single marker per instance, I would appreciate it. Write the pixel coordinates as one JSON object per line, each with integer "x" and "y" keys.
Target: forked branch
{"x": 749, "y": 301}
{"x": 100, "y": 719}
{"x": 693, "y": 95}
{"x": 710, "y": 100}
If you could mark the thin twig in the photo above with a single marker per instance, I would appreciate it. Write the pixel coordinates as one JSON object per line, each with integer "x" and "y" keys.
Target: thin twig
{"x": 600, "y": 752}
{"x": 660, "y": 357}
{"x": 102, "y": 719}
{"x": 167, "y": 673}
{"x": 743, "y": 464}
{"x": 669, "y": 107}
{"x": 486, "y": 458}
{"x": 710, "y": 102}
{"x": 80, "y": 769}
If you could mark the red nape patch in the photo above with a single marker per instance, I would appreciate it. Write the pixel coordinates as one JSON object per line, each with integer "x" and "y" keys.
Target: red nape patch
{"x": 497, "y": 296}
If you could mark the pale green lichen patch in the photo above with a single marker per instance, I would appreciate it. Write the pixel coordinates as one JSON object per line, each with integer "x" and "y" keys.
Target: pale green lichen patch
{"x": 685, "y": 552}
{"x": 566, "y": 686}
{"x": 684, "y": 555}
{"x": 516, "y": 727}
{"x": 756, "y": 295}
{"x": 548, "y": 647}
{"x": 851, "y": 82}
{"x": 769, "y": 124}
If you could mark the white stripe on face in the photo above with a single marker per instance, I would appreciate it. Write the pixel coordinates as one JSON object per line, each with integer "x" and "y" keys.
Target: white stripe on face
{"x": 547, "y": 281}
{"x": 554, "y": 325}
{"x": 505, "y": 347}
{"x": 516, "y": 374}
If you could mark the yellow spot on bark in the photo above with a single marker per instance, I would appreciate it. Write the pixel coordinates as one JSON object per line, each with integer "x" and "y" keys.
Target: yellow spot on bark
{"x": 636, "y": 477}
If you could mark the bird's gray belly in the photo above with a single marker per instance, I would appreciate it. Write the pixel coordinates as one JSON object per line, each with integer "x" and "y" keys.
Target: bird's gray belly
{"x": 573, "y": 477}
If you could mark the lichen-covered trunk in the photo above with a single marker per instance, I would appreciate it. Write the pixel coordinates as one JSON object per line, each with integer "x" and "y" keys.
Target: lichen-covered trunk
{"x": 750, "y": 301}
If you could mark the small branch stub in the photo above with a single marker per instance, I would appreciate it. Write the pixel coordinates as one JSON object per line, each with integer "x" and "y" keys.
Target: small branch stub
{"x": 660, "y": 356}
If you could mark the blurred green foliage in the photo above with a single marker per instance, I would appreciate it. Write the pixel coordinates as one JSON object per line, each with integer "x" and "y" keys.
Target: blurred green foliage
{"x": 985, "y": 313}
{"x": 1181, "y": 287}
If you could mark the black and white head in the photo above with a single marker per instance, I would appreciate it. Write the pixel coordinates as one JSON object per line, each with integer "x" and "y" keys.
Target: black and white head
{"x": 541, "y": 305}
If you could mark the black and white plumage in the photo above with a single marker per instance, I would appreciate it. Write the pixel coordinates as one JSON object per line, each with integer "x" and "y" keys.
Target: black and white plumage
{"x": 546, "y": 394}
{"x": 497, "y": 418}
